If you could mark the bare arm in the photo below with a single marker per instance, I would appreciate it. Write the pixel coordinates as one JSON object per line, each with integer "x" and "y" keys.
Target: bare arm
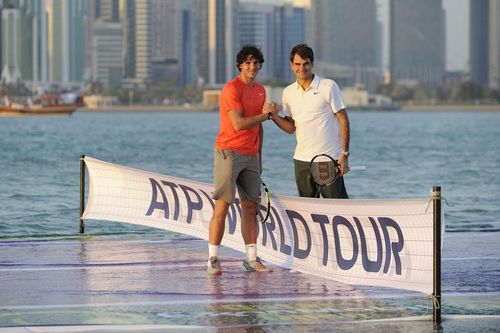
{"x": 287, "y": 124}
{"x": 345, "y": 134}
{"x": 242, "y": 123}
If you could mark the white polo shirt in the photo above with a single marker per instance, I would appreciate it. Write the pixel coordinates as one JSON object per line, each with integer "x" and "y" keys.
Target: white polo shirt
{"x": 314, "y": 112}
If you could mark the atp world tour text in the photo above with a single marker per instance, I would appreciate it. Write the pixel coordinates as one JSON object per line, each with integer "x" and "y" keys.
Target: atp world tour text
{"x": 308, "y": 230}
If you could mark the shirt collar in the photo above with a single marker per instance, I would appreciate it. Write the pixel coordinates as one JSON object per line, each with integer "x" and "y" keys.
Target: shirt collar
{"x": 314, "y": 84}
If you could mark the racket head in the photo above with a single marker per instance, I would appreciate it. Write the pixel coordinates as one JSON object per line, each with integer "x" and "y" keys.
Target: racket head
{"x": 264, "y": 207}
{"x": 323, "y": 169}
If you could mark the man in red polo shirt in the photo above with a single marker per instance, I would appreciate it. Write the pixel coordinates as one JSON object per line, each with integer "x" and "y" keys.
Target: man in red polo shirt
{"x": 237, "y": 156}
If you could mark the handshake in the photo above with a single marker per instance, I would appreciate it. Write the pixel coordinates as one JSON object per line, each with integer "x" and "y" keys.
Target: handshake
{"x": 271, "y": 109}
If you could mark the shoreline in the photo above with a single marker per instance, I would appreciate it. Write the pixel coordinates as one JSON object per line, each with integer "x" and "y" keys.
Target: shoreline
{"x": 148, "y": 108}
{"x": 201, "y": 108}
{"x": 450, "y": 107}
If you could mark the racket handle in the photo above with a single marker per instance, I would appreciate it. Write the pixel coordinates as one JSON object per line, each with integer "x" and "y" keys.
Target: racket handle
{"x": 357, "y": 168}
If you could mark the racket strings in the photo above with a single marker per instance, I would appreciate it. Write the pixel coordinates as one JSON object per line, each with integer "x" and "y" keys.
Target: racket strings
{"x": 324, "y": 173}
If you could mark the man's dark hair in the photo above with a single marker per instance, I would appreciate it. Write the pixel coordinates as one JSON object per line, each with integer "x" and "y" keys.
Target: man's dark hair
{"x": 304, "y": 51}
{"x": 248, "y": 50}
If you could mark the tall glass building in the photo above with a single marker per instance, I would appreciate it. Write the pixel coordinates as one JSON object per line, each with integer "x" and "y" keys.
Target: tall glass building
{"x": 479, "y": 43}
{"x": 417, "y": 42}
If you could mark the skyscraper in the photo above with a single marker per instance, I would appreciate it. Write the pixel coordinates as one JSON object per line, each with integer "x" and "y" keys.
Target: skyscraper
{"x": 494, "y": 44}
{"x": 76, "y": 39}
{"x": 172, "y": 41}
{"x": 143, "y": 41}
{"x": 256, "y": 26}
{"x": 135, "y": 17}
{"x": 65, "y": 40}
{"x": 417, "y": 42}
{"x": 345, "y": 36}
{"x": 275, "y": 29}
{"x": 40, "y": 63}
{"x": 201, "y": 44}
{"x": 479, "y": 41}
{"x": 217, "y": 40}
{"x": 292, "y": 27}
{"x": 106, "y": 53}
{"x": 11, "y": 45}
{"x": 187, "y": 50}
{"x": 108, "y": 10}
{"x": 103, "y": 39}
{"x": 166, "y": 29}
{"x": 21, "y": 40}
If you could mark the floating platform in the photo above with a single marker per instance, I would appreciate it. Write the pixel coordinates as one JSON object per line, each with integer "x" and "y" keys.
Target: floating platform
{"x": 110, "y": 284}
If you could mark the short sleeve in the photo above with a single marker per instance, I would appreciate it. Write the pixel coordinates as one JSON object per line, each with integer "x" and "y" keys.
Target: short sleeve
{"x": 284, "y": 102}
{"x": 336, "y": 101}
{"x": 231, "y": 98}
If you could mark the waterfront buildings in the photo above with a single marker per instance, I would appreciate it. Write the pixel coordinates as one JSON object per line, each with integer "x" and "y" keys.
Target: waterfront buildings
{"x": 131, "y": 43}
{"x": 43, "y": 41}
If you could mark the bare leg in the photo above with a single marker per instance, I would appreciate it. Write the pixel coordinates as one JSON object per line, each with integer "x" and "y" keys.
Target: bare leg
{"x": 249, "y": 233}
{"x": 218, "y": 222}
{"x": 249, "y": 222}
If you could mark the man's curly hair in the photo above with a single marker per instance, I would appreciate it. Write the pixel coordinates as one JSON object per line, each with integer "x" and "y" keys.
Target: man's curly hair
{"x": 245, "y": 52}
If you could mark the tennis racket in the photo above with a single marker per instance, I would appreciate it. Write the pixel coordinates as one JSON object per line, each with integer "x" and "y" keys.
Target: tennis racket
{"x": 264, "y": 207}
{"x": 325, "y": 170}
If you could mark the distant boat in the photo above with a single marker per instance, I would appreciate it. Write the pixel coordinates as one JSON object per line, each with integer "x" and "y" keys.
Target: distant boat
{"x": 47, "y": 104}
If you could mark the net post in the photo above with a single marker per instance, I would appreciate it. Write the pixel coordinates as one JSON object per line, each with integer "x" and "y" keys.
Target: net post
{"x": 82, "y": 192}
{"x": 437, "y": 301}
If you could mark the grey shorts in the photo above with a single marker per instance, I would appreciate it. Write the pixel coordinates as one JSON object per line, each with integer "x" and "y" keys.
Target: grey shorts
{"x": 233, "y": 171}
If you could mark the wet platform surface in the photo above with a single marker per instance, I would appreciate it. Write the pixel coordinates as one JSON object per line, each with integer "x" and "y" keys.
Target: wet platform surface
{"x": 95, "y": 284}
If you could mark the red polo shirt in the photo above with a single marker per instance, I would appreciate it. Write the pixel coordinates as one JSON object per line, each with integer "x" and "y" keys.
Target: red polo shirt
{"x": 237, "y": 95}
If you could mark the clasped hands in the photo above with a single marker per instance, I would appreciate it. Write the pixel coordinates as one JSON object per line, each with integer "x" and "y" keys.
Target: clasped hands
{"x": 272, "y": 107}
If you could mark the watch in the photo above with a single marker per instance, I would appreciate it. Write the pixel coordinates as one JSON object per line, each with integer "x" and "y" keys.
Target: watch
{"x": 345, "y": 153}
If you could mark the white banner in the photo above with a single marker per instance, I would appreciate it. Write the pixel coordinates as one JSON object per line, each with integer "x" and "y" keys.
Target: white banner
{"x": 386, "y": 243}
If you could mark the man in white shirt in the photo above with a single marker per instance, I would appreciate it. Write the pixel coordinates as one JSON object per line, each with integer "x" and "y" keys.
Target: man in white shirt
{"x": 314, "y": 110}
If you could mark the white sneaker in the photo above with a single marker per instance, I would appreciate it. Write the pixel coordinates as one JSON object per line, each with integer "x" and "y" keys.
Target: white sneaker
{"x": 255, "y": 266}
{"x": 214, "y": 267}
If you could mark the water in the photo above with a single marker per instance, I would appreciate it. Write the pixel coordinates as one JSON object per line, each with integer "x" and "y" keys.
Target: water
{"x": 406, "y": 154}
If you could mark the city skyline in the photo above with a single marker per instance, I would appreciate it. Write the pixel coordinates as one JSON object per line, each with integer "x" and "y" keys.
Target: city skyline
{"x": 457, "y": 30}
{"x": 126, "y": 46}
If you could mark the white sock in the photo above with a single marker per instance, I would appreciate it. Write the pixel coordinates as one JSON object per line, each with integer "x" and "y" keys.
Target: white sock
{"x": 212, "y": 250}
{"x": 251, "y": 250}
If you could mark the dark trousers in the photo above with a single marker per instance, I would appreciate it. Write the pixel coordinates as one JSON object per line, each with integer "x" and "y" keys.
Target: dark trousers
{"x": 308, "y": 188}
